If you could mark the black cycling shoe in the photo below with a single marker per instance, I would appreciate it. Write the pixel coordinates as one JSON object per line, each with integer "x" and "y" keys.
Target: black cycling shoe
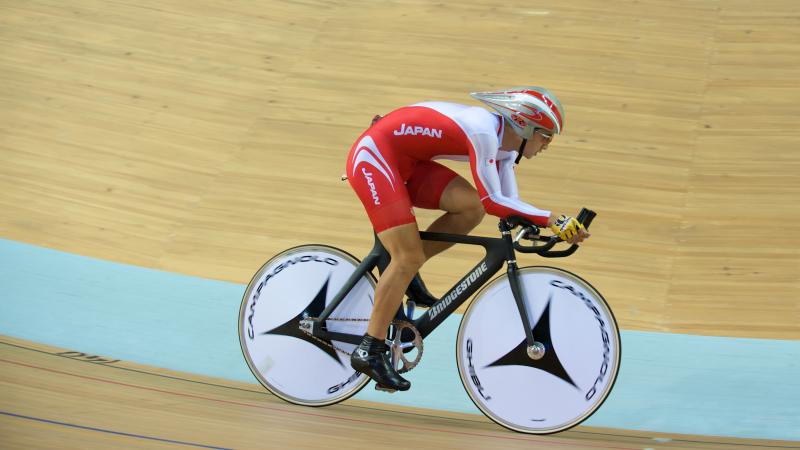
{"x": 419, "y": 294}
{"x": 371, "y": 358}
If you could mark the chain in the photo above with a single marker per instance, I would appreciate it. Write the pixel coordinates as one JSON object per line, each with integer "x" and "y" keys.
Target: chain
{"x": 339, "y": 319}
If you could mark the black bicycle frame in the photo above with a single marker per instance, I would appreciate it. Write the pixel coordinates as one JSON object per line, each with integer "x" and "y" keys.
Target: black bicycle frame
{"x": 498, "y": 251}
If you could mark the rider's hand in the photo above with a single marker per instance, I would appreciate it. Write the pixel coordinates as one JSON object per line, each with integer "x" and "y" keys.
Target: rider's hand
{"x": 569, "y": 229}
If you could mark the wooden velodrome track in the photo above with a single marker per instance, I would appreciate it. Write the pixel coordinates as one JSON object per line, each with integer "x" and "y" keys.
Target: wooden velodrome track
{"x": 201, "y": 137}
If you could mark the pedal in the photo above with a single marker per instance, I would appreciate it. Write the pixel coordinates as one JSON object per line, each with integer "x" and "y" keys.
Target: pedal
{"x": 378, "y": 387}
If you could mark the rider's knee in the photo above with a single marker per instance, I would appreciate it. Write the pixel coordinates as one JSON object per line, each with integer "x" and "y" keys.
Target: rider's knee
{"x": 409, "y": 260}
{"x": 474, "y": 215}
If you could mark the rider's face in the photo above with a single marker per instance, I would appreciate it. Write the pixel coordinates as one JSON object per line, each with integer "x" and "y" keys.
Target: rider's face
{"x": 538, "y": 142}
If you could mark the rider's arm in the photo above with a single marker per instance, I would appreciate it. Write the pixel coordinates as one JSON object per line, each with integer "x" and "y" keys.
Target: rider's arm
{"x": 495, "y": 201}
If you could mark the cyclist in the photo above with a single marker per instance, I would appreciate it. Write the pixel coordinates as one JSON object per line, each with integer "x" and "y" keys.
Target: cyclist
{"x": 391, "y": 169}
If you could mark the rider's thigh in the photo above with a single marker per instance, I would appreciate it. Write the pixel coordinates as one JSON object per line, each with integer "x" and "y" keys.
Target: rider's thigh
{"x": 427, "y": 183}
{"x": 404, "y": 245}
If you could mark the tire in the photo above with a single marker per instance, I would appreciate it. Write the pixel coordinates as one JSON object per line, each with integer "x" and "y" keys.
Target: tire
{"x": 580, "y": 364}
{"x": 295, "y": 284}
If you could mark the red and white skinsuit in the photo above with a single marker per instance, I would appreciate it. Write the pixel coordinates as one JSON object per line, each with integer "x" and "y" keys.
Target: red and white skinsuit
{"x": 391, "y": 169}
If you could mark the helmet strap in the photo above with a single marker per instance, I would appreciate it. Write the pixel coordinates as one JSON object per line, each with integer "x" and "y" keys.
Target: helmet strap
{"x": 521, "y": 149}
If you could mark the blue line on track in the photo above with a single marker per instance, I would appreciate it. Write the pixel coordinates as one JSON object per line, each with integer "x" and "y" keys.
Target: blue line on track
{"x": 138, "y": 436}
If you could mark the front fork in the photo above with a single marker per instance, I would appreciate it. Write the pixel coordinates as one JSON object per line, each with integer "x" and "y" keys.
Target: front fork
{"x": 535, "y": 349}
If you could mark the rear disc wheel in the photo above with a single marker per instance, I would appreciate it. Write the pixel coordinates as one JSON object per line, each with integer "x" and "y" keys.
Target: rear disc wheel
{"x": 296, "y": 284}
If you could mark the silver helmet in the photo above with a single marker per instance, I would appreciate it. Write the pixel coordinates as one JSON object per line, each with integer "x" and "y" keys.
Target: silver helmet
{"x": 526, "y": 109}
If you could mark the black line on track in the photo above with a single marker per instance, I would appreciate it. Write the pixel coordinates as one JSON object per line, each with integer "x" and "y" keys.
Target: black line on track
{"x": 103, "y": 430}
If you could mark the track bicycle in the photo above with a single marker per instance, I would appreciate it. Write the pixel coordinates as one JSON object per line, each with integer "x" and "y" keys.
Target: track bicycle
{"x": 538, "y": 348}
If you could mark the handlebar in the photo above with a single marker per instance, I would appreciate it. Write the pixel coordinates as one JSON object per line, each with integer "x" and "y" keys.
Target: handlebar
{"x": 585, "y": 217}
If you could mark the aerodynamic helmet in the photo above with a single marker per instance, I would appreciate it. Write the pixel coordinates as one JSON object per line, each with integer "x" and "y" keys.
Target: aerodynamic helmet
{"x": 526, "y": 109}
